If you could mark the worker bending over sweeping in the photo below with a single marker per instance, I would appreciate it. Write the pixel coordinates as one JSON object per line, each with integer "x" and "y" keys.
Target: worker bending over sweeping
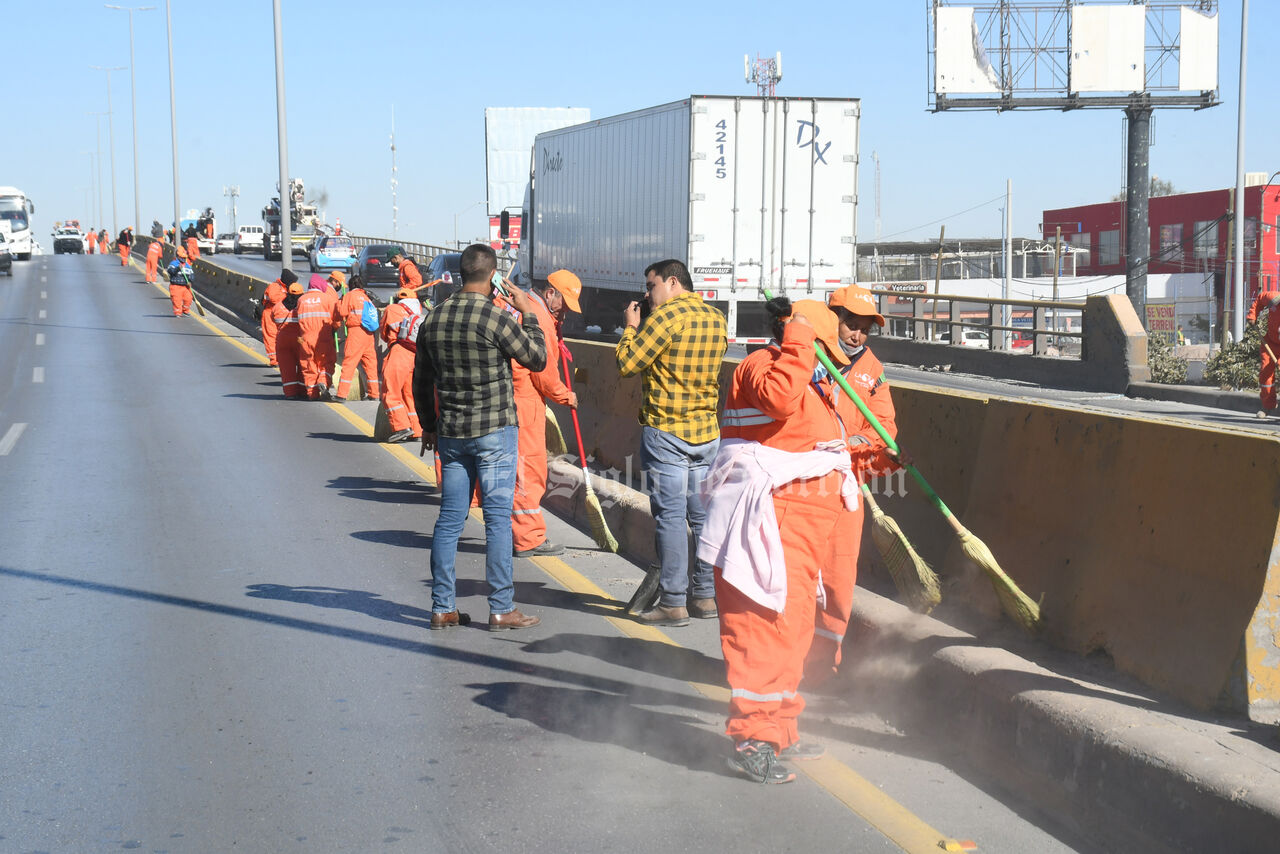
{"x": 1268, "y": 301}
{"x": 775, "y": 495}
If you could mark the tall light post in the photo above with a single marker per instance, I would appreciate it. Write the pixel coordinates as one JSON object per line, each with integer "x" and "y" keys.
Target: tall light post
{"x": 286, "y": 209}
{"x": 111, "y": 141}
{"x": 97, "y": 121}
{"x": 459, "y": 213}
{"x": 1237, "y": 302}
{"x": 133, "y": 99}
{"x": 89, "y": 193}
{"x": 173, "y": 114}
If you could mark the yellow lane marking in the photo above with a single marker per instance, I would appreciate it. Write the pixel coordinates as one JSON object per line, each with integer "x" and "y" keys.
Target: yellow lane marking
{"x": 898, "y": 824}
{"x": 206, "y": 324}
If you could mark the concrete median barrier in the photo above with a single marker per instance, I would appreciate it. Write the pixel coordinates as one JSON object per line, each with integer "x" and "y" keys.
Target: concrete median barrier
{"x": 1154, "y": 543}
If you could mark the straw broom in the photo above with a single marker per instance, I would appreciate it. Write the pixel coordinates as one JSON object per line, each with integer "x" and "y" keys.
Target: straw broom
{"x": 1020, "y": 607}
{"x": 555, "y": 438}
{"x": 595, "y": 513}
{"x": 917, "y": 583}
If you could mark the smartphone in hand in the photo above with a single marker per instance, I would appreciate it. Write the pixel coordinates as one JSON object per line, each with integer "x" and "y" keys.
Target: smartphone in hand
{"x": 499, "y": 287}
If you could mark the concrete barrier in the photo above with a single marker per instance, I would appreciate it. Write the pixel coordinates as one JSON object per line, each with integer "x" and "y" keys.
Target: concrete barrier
{"x": 1154, "y": 543}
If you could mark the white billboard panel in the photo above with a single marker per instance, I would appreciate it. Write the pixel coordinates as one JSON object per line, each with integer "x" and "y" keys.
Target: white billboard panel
{"x": 1108, "y": 48}
{"x": 1198, "y": 56}
{"x": 508, "y": 138}
{"x": 961, "y": 65}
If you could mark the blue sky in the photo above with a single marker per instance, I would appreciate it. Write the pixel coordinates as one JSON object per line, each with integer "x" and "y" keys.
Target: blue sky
{"x": 441, "y": 64}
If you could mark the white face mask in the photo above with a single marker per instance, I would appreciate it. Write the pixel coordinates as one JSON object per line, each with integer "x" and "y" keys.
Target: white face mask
{"x": 820, "y": 373}
{"x": 851, "y": 351}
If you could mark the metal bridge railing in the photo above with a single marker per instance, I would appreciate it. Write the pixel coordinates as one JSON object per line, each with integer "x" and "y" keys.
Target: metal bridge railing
{"x": 424, "y": 252}
{"x": 1057, "y": 324}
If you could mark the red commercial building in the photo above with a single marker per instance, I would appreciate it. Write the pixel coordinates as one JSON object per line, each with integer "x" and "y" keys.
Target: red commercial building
{"x": 1190, "y": 233}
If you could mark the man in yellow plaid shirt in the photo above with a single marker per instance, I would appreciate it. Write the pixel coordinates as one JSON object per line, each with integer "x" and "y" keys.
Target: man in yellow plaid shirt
{"x": 678, "y": 352}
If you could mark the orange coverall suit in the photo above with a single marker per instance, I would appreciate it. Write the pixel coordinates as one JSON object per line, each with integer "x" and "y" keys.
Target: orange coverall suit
{"x": 288, "y": 350}
{"x": 316, "y": 323}
{"x": 92, "y": 239}
{"x": 870, "y": 459}
{"x": 153, "y": 259}
{"x": 409, "y": 276}
{"x": 358, "y": 349}
{"x": 124, "y": 246}
{"x": 1271, "y": 335}
{"x": 764, "y": 650}
{"x": 397, "y": 372}
{"x": 193, "y": 248}
{"x": 271, "y": 297}
{"x": 532, "y": 391}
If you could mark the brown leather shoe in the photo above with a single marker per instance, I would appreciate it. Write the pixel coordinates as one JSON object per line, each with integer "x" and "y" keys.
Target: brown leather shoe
{"x": 449, "y": 620}
{"x": 703, "y": 609}
{"x": 660, "y": 616}
{"x": 512, "y": 620}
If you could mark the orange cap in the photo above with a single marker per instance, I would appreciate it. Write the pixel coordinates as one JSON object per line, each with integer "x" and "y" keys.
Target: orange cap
{"x": 825, "y": 326}
{"x": 180, "y": 252}
{"x": 406, "y": 293}
{"x": 569, "y": 287}
{"x": 339, "y": 277}
{"x": 297, "y": 288}
{"x": 856, "y": 300}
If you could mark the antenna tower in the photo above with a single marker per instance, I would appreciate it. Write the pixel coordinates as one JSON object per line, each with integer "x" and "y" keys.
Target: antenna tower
{"x": 394, "y": 182}
{"x": 766, "y": 73}
{"x": 875, "y": 157}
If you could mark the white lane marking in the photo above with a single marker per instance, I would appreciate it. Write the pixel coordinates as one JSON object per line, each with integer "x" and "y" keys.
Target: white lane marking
{"x": 44, "y": 295}
{"x": 44, "y": 279}
{"x": 43, "y": 314}
{"x": 39, "y": 339}
{"x": 11, "y": 438}
{"x": 37, "y": 374}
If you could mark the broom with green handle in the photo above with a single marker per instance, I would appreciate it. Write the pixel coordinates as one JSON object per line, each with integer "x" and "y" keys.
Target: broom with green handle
{"x": 916, "y": 581}
{"x": 1020, "y": 607}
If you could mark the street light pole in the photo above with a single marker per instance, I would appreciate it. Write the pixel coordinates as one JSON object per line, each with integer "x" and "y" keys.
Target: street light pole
{"x": 1237, "y": 302}
{"x": 286, "y": 209}
{"x": 111, "y": 140}
{"x": 232, "y": 192}
{"x": 133, "y": 98}
{"x": 455, "y": 219}
{"x": 173, "y": 113}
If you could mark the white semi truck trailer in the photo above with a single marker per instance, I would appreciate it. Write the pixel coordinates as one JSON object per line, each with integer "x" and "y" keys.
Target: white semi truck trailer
{"x": 750, "y": 192}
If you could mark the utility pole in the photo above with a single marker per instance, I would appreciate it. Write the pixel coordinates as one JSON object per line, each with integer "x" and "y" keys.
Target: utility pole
{"x": 1237, "y": 302}
{"x": 286, "y": 208}
{"x": 1057, "y": 260}
{"x": 1137, "y": 208}
{"x": 133, "y": 95}
{"x": 395, "y": 209}
{"x": 173, "y": 117}
{"x": 111, "y": 139}
{"x": 233, "y": 192}
{"x": 876, "y": 158}
{"x": 1008, "y": 260}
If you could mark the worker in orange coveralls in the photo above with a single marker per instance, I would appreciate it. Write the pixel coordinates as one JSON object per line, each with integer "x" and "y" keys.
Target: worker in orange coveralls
{"x": 91, "y": 240}
{"x": 193, "y": 242}
{"x": 532, "y": 391}
{"x": 179, "y": 273}
{"x": 358, "y": 350}
{"x": 125, "y": 242}
{"x": 779, "y": 418}
{"x": 271, "y": 297}
{"x": 409, "y": 276}
{"x": 153, "y": 259}
{"x": 856, "y": 308}
{"x": 399, "y": 329}
{"x": 288, "y": 348}
{"x": 316, "y": 323}
{"x": 1268, "y": 301}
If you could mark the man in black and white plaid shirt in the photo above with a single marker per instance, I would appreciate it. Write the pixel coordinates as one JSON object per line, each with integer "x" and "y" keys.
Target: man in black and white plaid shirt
{"x": 464, "y": 350}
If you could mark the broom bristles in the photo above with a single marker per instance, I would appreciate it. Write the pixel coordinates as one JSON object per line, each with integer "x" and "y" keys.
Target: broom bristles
{"x": 915, "y": 579}
{"x": 555, "y": 438}
{"x": 595, "y": 516}
{"x": 1018, "y": 605}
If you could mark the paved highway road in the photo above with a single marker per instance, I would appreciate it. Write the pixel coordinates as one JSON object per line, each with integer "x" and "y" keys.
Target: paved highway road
{"x": 215, "y": 638}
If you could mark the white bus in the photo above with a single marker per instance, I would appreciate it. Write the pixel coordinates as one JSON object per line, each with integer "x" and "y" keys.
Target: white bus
{"x": 15, "y": 208}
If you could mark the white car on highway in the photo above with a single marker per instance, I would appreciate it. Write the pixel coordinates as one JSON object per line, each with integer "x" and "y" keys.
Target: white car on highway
{"x": 226, "y": 242}
{"x": 248, "y": 238}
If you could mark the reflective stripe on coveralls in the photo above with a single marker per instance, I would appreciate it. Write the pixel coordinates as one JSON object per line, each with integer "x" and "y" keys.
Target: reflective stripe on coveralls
{"x": 764, "y": 650}
{"x": 153, "y": 260}
{"x": 271, "y": 297}
{"x": 397, "y": 374}
{"x": 358, "y": 348}
{"x": 288, "y": 353}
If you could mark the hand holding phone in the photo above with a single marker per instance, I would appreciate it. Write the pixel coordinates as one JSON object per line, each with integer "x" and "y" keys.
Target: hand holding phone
{"x": 499, "y": 287}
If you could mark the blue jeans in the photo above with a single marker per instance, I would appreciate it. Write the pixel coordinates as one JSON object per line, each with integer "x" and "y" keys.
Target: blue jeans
{"x": 674, "y": 470}
{"x": 491, "y": 459}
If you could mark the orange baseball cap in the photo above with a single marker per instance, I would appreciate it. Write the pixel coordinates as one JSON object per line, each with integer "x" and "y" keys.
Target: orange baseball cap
{"x": 297, "y": 288}
{"x": 406, "y": 293}
{"x": 856, "y": 300}
{"x": 569, "y": 286}
{"x": 339, "y": 277}
{"x": 825, "y": 325}
{"x": 180, "y": 252}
